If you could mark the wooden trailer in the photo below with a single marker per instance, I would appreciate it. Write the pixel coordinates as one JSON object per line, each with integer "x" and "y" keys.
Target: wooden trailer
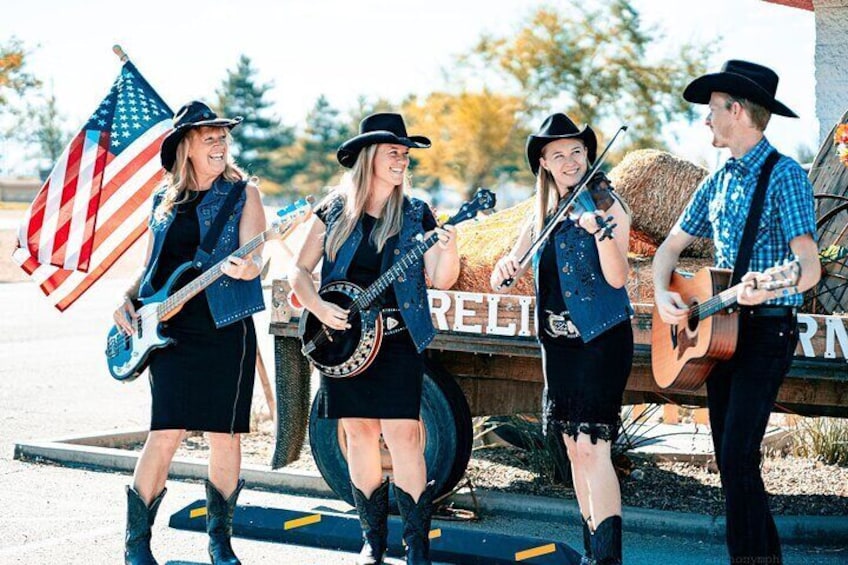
{"x": 485, "y": 361}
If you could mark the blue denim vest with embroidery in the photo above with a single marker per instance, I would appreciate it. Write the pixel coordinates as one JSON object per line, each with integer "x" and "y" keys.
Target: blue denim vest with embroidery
{"x": 593, "y": 305}
{"x": 410, "y": 288}
{"x": 229, "y": 299}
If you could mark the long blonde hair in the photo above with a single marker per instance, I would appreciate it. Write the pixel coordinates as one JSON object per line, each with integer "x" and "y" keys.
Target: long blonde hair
{"x": 182, "y": 177}
{"x": 547, "y": 198}
{"x": 355, "y": 189}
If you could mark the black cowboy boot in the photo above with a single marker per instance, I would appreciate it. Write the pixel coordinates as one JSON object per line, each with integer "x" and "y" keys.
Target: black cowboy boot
{"x": 587, "y": 544}
{"x": 373, "y": 517}
{"x": 606, "y": 542}
{"x": 219, "y": 524}
{"x": 416, "y": 523}
{"x": 140, "y": 518}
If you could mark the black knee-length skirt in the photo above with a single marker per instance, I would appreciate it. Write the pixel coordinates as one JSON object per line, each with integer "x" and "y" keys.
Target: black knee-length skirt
{"x": 205, "y": 381}
{"x": 584, "y": 382}
{"x": 390, "y": 388}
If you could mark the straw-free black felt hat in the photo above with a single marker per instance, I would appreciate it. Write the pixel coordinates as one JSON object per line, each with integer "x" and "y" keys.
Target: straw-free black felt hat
{"x": 195, "y": 114}
{"x": 743, "y": 79}
{"x": 378, "y": 128}
{"x": 559, "y": 126}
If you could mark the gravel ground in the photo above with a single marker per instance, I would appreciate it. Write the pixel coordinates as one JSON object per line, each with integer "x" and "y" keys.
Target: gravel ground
{"x": 797, "y": 486}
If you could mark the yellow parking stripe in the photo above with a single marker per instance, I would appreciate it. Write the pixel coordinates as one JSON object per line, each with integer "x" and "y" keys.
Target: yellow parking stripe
{"x": 300, "y": 522}
{"x": 437, "y": 533}
{"x": 197, "y": 512}
{"x": 535, "y": 552}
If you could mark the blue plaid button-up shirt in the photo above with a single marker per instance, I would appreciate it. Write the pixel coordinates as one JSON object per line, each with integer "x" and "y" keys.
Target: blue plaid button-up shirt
{"x": 719, "y": 209}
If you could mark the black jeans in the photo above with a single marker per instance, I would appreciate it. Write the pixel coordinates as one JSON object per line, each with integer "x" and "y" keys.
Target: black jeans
{"x": 740, "y": 395}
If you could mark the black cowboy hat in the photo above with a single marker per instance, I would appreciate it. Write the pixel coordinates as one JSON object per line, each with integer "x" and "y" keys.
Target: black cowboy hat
{"x": 558, "y": 126}
{"x": 743, "y": 79}
{"x": 195, "y": 114}
{"x": 378, "y": 128}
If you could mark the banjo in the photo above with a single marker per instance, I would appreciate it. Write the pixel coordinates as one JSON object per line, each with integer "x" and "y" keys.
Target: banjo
{"x": 347, "y": 353}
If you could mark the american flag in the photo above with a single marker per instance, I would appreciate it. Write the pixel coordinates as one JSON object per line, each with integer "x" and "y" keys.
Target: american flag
{"x": 95, "y": 203}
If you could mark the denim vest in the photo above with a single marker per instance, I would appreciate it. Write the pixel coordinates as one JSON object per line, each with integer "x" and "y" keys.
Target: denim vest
{"x": 410, "y": 288}
{"x": 593, "y": 305}
{"x": 229, "y": 299}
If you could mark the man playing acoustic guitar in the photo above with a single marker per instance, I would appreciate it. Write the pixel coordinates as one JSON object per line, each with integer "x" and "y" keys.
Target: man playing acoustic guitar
{"x": 741, "y": 391}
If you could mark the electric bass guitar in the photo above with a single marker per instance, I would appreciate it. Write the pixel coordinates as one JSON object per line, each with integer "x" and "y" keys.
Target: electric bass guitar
{"x": 347, "y": 353}
{"x": 682, "y": 356}
{"x": 127, "y": 356}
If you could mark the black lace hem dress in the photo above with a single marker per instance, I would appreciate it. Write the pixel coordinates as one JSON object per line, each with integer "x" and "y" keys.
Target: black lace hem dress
{"x": 584, "y": 382}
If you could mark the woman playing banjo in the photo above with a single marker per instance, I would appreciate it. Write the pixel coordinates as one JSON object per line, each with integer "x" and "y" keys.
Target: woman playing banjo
{"x": 363, "y": 226}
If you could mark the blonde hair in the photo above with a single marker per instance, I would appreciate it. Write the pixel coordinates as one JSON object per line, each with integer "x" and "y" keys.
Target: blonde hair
{"x": 547, "y": 198}
{"x": 355, "y": 189}
{"x": 182, "y": 177}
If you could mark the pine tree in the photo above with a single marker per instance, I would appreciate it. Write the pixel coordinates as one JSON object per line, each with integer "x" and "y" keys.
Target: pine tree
{"x": 261, "y": 134}
{"x": 325, "y": 130}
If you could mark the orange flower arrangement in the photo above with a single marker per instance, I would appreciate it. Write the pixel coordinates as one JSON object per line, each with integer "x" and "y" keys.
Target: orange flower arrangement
{"x": 840, "y": 138}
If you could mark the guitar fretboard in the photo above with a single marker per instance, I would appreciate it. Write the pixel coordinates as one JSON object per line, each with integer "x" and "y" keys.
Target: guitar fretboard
{"x": 193, "y": 288}
{"x": 713, "y": 305}
{"x": 728, "y": 297}
{"x": 376, "y": 288}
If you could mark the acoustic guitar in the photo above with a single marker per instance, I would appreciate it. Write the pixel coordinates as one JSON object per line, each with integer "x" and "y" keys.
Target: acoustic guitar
{"x": 347, "y": 353}
{"x": 127, "y": 356}
{"x": 683, "y": 356}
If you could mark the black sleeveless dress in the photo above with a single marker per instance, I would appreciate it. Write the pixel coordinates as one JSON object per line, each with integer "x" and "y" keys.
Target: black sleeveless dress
{"x": 205, "y": 381}
{"x": 390, "y": 388}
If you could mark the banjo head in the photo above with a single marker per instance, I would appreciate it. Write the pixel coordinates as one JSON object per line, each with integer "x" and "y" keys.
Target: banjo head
{"x": 343, "y": 353}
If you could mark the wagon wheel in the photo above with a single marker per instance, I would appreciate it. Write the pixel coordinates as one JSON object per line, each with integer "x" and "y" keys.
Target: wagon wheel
{"x": 831, "y": 293}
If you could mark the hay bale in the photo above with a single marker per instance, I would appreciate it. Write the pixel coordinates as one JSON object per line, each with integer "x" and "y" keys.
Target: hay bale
{"x": 483, "y": 242}
{"x": 657, "y": 186}
{"x": 640, "y": 279}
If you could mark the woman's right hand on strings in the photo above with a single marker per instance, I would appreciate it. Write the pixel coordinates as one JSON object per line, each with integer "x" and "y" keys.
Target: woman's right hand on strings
{"x": 125, "y": 316}
{"x": 504, "y": 269}
{"x": 332, "y": 316}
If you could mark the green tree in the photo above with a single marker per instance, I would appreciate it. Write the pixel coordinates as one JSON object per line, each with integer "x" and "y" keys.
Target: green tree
{"x": 261, "y": 134}
{"x": 43, "y": 127}
{"x": 593, "y": 63}
{"x": 315, "y": 151}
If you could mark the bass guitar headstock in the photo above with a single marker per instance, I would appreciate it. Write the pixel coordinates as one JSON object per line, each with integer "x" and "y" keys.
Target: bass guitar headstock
{"x": 290, "y": 216}
{"x": 484, "y": 199}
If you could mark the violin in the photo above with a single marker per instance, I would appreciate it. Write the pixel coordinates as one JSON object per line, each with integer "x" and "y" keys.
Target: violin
{"x": 596, "y": 198}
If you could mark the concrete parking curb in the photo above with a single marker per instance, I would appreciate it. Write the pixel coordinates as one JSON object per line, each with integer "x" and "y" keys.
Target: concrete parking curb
{"x": 96, "y": 452}
{"x": 99, "y": 452}
{"x": 792, "y": 529}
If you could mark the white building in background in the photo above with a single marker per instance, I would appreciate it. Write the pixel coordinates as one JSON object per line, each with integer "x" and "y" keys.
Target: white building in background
{"x": 831, "y": 58}
{"x": 18, "y": 190}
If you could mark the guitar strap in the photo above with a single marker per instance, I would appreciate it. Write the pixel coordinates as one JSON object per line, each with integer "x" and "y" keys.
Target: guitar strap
{"x": 204, "y": 251}
{"x": 746, "y": 247}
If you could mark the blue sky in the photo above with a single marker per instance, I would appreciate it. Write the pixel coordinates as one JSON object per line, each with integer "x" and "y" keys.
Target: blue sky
{"x": 347, "y": 48}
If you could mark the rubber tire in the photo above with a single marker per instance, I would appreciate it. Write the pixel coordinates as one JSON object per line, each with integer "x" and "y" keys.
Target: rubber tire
{"x": 462, "y": 421}
{"x": 447, "y": 425}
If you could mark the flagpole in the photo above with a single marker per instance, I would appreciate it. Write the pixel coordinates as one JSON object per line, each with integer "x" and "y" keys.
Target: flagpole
{"x": 120, "y": 53}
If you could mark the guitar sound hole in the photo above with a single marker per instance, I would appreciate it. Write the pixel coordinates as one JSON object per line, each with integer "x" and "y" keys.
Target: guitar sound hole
{"x": 693, "y": 321}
